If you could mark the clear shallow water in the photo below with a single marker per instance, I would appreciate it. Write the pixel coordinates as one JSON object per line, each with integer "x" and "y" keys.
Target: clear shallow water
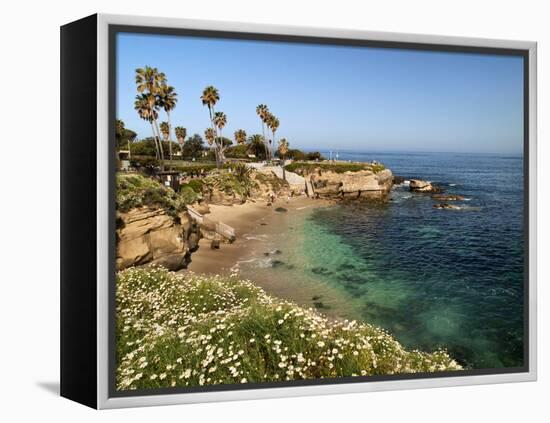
{"x": 433, "y": 278}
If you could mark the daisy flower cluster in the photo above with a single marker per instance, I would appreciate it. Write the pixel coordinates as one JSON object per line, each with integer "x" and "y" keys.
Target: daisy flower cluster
{"x": 194, "y": 330}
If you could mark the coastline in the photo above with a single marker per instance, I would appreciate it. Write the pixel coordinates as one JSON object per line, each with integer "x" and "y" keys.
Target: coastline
{"x": 247, "y": 220}
{"x": 252, "y": 254}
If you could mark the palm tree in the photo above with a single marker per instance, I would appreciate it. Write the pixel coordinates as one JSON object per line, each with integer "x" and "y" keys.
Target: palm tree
{"x": 257, "y": 145}
{"x": 149, "y": 82}
{"x": 143, "y": 107}
{"x": 166, "y": 100}
{"x": 240, "y": 136}
{"x": 220, "y": 119}
{"x": 273, "y": 124}
{"x": 263, "y": 111}
{"x": 283, "y": 149}
{"x": 165, "y": 130}
{"x": 181, "y": 134}
{"x": 119, "y": 134}
{"x": 210, "y": 136}
{"x": 210, "y": 97}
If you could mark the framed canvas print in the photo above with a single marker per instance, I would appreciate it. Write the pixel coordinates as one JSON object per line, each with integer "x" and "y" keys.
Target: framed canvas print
{"x": 253, "y": 211}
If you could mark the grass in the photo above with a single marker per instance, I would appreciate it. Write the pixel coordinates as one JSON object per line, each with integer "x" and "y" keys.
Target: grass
{"x": 194, "y": 330}
{"x": 308, "y": 167}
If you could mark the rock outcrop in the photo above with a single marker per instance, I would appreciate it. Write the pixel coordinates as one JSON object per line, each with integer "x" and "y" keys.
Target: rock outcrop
{"x": 360, "y": 184}
{"x": 418, "y": 185}
{"x": 151, "y": 236}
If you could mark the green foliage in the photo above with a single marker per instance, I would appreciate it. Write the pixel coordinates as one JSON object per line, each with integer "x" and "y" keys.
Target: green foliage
{"x": 196, "y": 185}
{"x": 188, "y": 195}
{"x": 257, "y": 147}
{"x": 134, "y": 190}
{"x": 295, "y": 154}
{"x": 144, "y": 147}
{"x": 376, "y": 168}
{"x": 191, "y": 330}
{"x": 193, "y": 168}
{"x": 269, "y": 179}
{"x": 123, "y": 135}
{"x": 193, "y": 147}
{"x": 304, "y": 168}
{"x": 191, "y": 192}
{"x": 237, "y": 181}
{"x": 315, "y": 155}
{"x": 237, "y": 151}
{"x": 146, "y": 162}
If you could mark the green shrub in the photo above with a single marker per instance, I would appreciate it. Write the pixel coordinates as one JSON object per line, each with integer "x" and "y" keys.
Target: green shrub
{"x": 188, "y": 195}
{"x": 134, "y": 190}
{"x": 196, "y": 185}
{"x": 237, "y": 181}
{"x": 190, "y": 330}
{"x": 276, "y": 184}
{"x": 305, "y": 168}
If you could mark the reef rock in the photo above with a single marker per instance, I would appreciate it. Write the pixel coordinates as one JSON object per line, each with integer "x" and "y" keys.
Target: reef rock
{"x": 151, "y": 236}
{"x": 446, "y": 206}
{"x": 418, "y": 185}
{"x": 448, "y": 197}
{"x": 360, "y": 184}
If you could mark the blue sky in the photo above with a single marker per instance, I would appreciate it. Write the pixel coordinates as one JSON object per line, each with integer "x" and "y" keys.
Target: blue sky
{"x": 333, "y": 97}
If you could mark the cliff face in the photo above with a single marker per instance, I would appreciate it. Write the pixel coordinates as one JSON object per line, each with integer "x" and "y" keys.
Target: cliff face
{"x": 150, "y": 236}
{"x": 360, "y": 184}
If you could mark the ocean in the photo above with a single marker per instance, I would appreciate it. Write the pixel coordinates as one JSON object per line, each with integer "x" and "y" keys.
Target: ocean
{"x": 433, "y": 278}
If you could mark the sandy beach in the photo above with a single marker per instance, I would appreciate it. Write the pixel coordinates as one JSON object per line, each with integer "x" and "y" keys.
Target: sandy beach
{"x": 247, "y": 219}
{"x": 256, "y": 225}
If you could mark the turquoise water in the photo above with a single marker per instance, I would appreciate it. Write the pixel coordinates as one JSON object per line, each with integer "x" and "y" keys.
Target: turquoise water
{"x": 433, "y": 278}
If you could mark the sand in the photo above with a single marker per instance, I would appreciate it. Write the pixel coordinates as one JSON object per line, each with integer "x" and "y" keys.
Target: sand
{"x": 246, "y": 219}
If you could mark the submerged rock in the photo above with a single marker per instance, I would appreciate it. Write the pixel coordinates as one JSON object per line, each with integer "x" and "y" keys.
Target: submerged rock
{"x": 321, "y": 271}
{"x": 446, "y": 206}
{"x": 448, "y": 197}
{"x": 320, "y": 305}
{"x": 281, "y": 210}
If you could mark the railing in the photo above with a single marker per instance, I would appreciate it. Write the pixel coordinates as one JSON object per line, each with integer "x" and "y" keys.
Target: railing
{"x": 225, "y": 230}
{"x": 195, "y": 215}
{"x": 221, "y": 228}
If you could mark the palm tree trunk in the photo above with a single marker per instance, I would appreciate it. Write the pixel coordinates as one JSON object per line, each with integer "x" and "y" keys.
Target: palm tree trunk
{"x": 160, "y": 145}
{"x": 273, "y": 147}
{"x": 265, "y": 142}
{"x": 216, "y": 145}
{"x": 169, "y": 137}
{"x": 222, "y": 149}
{"x": 157, "y": 152}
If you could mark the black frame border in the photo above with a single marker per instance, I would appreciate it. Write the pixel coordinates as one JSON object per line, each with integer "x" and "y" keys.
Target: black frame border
{"x": 115, "y": 29}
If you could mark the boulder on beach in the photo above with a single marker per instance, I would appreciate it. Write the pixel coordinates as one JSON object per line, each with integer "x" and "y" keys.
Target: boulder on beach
{"x": 418, "y": 185}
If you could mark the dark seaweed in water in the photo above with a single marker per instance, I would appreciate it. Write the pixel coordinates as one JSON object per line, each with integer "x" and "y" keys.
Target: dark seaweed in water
{"x": 452, "y": 280}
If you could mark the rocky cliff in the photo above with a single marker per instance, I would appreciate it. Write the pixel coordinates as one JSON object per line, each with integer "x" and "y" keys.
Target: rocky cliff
{"x": 358, "y": 184}
{"x": 149, "y": 235}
